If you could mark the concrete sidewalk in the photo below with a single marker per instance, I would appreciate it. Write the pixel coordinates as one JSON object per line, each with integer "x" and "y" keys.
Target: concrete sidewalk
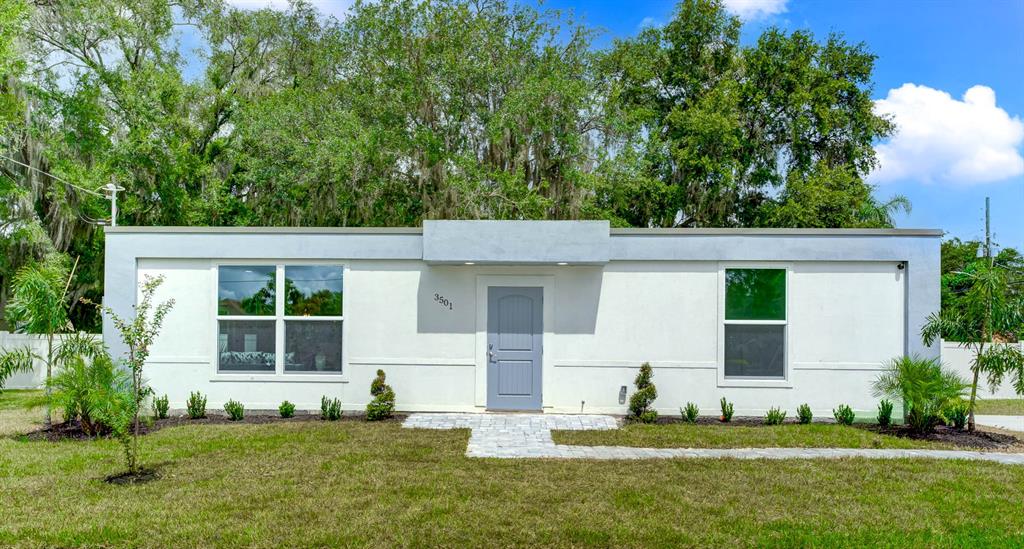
{"x": 1010, "y": 423}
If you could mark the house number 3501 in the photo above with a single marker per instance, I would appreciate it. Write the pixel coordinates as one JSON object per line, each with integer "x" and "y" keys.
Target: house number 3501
{"x": 444, "y": 302}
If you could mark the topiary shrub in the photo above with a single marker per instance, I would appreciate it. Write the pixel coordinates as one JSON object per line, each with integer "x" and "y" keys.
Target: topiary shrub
{"x": 727, "y": 410}
{"x": 775, "y": 416}
{"x": 843, "y": 415}
{"x": 235, "y": 410}
{"x": 803, "y": 414}
{"x": 160, "y": 407}
{"x": 640, "y": 403}
{"x": 286, "y": 409}
{"x": 330, "y": 408}
{"x": 383, "y": 404}
{"x": 690, "y": 413}
{"x": 196, "y": 405}
{"x": 885, "y": 413}
{"x": 956, "y": 414}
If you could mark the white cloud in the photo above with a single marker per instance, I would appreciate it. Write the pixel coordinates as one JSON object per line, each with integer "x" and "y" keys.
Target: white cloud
{"x": 755, "y": 9}
{"x": 942, "y": 139}
{"x": 337, "y": 8}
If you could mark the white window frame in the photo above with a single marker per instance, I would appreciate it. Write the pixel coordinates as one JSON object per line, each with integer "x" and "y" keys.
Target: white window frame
{"x": 279, "y": 319}
{"x": 782, "y": 382}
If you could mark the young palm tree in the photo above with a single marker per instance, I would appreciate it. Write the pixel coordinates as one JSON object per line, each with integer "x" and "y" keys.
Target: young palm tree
{"x": 14, "y": 361}
{"x": 38, "y": 306}
{"x": 990, "y": 306}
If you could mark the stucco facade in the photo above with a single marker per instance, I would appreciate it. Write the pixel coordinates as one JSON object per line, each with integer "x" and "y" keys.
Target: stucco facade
{"x": 416, "y": 305}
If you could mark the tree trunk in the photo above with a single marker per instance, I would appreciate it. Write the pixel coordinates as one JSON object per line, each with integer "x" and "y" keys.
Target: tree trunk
{"x": 133, "y": 459}
{"x": 974, "y": 392}
{"x": 49, "y": 362}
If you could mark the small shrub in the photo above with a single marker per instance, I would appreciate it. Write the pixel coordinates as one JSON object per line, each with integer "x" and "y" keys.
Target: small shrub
{"x": 956, "y": 414}
{"x": 383, "y": 404}
{"x": 803, "y": 413}
{"x": 843, "y": 414}
{"x": 775, "y": 416}
{"x": 160, "y": 407}
{"x": 640, "y": 403}
{"x": 885, "y": 413}
{"x": 330, "y": 408}
{"x": 690, "y": 413}
{"x": 82, "y": 389}
{"x": 286, "y": 409}
{"x": 235, "y": 410}
{"x": 923, "y": 385}
{"x": 196, "y": 405}
{"x": 727, "y": 410}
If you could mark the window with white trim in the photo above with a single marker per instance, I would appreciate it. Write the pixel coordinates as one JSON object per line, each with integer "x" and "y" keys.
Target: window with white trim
{"x": 755, "y": 323}
{"x": 280, "y": 318}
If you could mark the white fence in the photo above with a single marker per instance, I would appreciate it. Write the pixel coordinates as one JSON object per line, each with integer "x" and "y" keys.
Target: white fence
{"x": 958, "y": 358}
{"x": 953, "y": 355}
{"x": 37, "y": 377}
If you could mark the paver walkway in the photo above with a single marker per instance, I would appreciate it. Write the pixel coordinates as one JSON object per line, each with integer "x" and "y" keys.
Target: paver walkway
{"x": 529, "y": 436}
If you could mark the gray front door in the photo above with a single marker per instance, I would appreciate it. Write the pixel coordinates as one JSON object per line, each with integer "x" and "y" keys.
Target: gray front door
{"x": 514, "y": 336}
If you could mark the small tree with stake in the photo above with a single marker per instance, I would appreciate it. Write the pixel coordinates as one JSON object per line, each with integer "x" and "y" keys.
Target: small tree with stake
{"x": 138, "y": 334}
{"x": 38, "y": 306}
{"x": 989, "y": 306}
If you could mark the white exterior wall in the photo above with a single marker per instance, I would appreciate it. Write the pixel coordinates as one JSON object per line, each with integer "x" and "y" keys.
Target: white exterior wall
{"x": 600, "y": 323}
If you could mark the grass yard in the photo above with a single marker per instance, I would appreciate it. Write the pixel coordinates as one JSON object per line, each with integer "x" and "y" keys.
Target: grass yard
{"x": 682, "y": 435}
{"x": 1000, "y": 406}
{"x": 21, "y": 410}
{"x": 356, "y": 483}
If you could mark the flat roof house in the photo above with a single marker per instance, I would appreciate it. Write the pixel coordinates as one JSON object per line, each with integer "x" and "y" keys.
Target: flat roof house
{"x": 527, "y": 315}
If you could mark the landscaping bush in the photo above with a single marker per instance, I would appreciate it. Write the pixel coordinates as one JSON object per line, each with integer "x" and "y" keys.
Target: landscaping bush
{"x": 196, "y": 405}
{"x": 640, "y": 403}
{"x": 843, "y": 414}
{"x": 235, "y": 410}
{"x": 956, "y": 414}
{"x": 81, "y": 388}
{"x": 803, "y": 413}
{"x": 885, "y": 413}
{"x": 923, "y": 385}
{"x": 775, "y": 416}
{"x": 383, "y": 404}
{"x": 726, "y": 410}
{"x": 330, "y": 408}
{"x": 160, "y": 407}
{"x": 286, "y": 409}
{"x": 690, "y": 413}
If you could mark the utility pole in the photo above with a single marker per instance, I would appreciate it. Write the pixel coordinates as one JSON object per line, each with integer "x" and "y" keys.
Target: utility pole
{"x": 988, "y": 234}
{"x": 112, "y": 189}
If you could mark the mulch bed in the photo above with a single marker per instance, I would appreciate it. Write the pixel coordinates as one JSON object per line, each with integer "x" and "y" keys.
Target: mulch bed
{"x": 141, "y": 477}
{"x": 978, "y": 440}
{"x": 72, "y": 430}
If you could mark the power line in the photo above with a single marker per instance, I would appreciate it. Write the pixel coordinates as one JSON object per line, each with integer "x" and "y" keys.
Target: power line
{"x": 64, "y": 181}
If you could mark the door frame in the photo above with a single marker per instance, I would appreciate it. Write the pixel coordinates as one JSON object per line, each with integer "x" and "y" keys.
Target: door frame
{"x": 547, "y": 285}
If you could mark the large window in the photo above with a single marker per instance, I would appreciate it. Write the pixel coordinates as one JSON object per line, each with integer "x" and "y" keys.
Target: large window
{"x": 755, "y": 323}
{"x": 255, "y": 319}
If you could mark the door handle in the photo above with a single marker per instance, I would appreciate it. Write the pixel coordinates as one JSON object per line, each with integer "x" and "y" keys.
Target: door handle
{"x": 490, "y": 356}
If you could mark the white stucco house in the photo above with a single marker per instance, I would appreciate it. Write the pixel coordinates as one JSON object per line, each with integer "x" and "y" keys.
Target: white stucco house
{"x": 555, "y": 316}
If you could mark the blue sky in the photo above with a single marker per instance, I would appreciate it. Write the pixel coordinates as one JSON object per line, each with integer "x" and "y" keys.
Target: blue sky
{"x": 952, "y": 149}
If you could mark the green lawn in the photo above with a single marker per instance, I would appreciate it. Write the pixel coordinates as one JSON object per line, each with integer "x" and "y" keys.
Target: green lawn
{"x": 681, "y": 435}
{"x": 20, "y": 410}
{"x": 355, "y": 483}
{"x": 1000, "y": 406}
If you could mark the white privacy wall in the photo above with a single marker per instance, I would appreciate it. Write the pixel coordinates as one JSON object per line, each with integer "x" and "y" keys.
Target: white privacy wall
{"x": 601, "y": 323}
